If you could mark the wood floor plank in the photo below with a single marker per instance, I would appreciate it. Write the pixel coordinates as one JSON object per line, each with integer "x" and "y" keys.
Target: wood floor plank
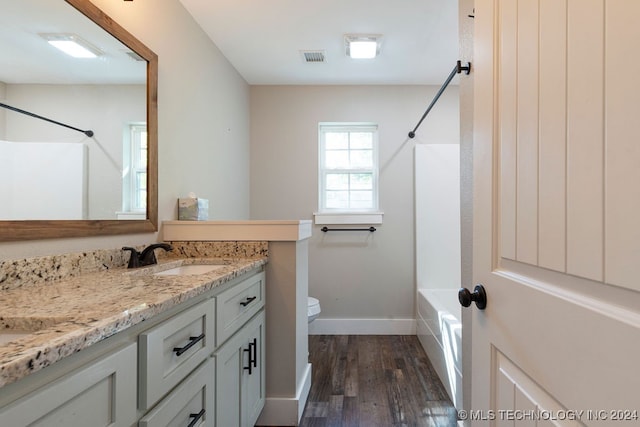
{"x": 374, "y": 381}
{"x": 339, "y": 365}
{"x": 350, "y": 412}
{"x": 373, "y": 403}
{"x": 336, "y": 409}
{"x": 397, "y": 403}
{"x": 351, "y": 373}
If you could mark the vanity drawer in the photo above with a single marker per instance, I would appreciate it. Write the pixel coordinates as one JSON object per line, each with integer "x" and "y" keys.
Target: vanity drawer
{"x": 193, "y": 399}
{"x": 170, "y": 351}
{"x": 236, "y": 305}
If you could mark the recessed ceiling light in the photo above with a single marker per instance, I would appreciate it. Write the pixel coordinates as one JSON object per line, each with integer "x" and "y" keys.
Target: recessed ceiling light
{"x": 72, "y": 45}
{"x": 362, "y": 46}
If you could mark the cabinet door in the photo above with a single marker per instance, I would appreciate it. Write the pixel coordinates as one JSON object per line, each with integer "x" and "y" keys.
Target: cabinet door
{"x": 101, "y": 394}
{"x": 229, "y": 362}
{"x": 240, "y": 385}
{"x": 253, "y": 382}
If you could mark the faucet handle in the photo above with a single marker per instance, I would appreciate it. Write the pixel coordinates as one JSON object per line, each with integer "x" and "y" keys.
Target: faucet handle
{"x": 149, "y": 258}
{"x": 134, "y": 259}
{"x": 148, "y": 255}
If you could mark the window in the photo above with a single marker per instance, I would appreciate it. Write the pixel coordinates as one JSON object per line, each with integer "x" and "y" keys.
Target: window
{"x": 348, "y": 169}
{"x": 134, "y": 174}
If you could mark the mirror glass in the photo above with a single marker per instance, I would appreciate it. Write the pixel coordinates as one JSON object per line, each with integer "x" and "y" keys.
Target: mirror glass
{"x": 78, "y": 135}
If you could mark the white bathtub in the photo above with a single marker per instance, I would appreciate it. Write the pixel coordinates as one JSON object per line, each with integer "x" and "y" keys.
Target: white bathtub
{"x": 440, "y": 332}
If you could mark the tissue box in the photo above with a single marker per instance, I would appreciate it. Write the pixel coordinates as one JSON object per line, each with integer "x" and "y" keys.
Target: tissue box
{"x": 193, "y": 209}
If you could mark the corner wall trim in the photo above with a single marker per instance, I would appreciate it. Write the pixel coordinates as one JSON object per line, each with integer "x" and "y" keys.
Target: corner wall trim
{"x": 363, "y": 327}
{"x": 283, "y": 411}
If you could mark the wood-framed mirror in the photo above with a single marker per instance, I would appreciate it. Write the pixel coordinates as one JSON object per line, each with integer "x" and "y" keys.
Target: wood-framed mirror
{"x": 114, "y": 166}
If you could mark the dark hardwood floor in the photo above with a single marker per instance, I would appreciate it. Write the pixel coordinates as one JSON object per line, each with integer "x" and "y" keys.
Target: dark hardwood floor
{"x": 374, "y": 381}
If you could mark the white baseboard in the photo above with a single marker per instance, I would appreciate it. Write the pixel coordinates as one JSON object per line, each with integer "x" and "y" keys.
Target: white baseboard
{"x": 282, "y": 411}
{"x": 362, "y": 327}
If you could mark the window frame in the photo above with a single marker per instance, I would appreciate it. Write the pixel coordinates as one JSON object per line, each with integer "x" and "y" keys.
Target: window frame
{"x": 326, "y": 215}
{"x": 133, "y": 196}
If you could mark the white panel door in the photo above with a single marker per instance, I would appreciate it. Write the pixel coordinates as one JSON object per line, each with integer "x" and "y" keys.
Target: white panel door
{"x": 556, "y": 240}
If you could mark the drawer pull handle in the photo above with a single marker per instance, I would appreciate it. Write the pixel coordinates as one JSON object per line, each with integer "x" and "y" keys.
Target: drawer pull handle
{"x": 253, "y": 355}
{"x": 192, "y": 341}
{"x": 247, "y": 301}
{"x": 248, "y": 350}
{"x": 196, "y": 418}
{"x": 255, "y": 352}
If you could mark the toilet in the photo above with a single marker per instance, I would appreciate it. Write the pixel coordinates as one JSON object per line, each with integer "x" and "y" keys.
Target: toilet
{"x": 313, "y": 308}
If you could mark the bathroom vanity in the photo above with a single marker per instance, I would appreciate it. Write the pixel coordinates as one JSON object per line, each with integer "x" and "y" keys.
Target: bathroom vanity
{"x": 289, "y": 371}
{"x": 137, "y": 346}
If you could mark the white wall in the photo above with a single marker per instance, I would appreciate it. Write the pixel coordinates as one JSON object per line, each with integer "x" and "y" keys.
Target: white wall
{"x": 437, "y": 225}
{"x": 104, "y": 109}
{"x": 356, "y": 275}
{"x": 203, "y": 107}
{"x": 3, "y": 94}
{"x": 43, "y": 180}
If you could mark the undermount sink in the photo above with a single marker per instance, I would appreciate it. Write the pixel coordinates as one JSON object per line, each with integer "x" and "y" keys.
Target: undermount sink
{"x": 14, "y": 328}
{"x": 190, "y": 269}
{"x": 12, "y": 335}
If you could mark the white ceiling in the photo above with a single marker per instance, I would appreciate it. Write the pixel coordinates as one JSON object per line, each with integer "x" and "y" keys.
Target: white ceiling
{"x": 264, "y": 39}
{"x": 25, "y": 57}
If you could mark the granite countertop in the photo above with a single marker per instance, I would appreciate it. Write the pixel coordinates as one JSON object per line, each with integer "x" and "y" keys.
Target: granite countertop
{"x": 61, "y": 318}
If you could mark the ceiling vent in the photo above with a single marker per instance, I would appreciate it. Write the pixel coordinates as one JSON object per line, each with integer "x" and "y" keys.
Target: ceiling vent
{"x": 313, "y": 56}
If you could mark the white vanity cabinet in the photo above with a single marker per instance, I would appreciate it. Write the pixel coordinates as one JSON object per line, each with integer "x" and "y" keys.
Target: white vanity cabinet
{"x": 240, "y": 386}
{"x": 240, "y": 357}
{"x": 101, "y": 393}
{"x": 197, "y": 364}
{"x": 228, "y": 331}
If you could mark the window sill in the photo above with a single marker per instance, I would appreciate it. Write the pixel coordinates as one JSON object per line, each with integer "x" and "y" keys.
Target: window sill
{"x": 348, "y": 218}
{"x": 131, "y": 215}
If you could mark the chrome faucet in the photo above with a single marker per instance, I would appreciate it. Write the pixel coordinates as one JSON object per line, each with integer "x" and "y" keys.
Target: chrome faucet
{"x": 147, "y": 256}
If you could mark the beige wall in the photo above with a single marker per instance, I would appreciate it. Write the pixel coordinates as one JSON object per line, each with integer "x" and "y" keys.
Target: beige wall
{"x": 203, "y": 106}
{"x": 355, "y": 275}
